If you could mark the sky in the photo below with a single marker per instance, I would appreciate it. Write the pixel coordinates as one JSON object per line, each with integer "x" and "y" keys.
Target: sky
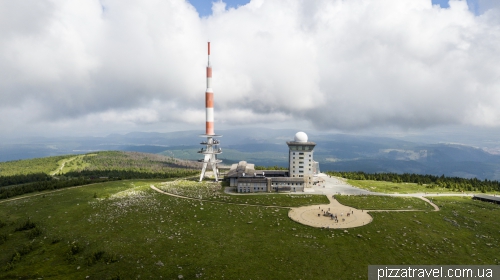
{"x": 92, "y": 68}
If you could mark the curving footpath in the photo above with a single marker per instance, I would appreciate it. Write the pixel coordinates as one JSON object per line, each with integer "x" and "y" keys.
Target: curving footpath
{"x": 314, "y": 215}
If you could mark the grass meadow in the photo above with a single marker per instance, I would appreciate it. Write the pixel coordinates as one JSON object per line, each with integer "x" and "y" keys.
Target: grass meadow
{"x": 212, "y": 191}
{"x": 126, "y": 230}
{"x": 384, "y": 202}
{"x": 71, "y": 164}
{"x": 36, "y": 165}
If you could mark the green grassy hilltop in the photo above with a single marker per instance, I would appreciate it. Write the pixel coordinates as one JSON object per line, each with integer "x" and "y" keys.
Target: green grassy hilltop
{"x": 126, "y": 230}
{"x": 27, "y": 176}
{"x": 123, "y": 229}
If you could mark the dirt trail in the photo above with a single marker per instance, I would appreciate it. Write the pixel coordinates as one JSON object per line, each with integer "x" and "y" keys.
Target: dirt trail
{"x": 62, "y": 165}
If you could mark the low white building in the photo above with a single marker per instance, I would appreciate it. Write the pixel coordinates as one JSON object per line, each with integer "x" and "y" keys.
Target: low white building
{"x": 300, "y": 175}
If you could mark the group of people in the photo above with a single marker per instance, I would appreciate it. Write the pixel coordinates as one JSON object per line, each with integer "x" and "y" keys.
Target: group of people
{"x": 334, "y": 216}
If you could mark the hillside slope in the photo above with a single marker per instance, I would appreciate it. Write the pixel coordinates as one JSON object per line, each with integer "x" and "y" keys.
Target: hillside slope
{"x": 26, "y": 176}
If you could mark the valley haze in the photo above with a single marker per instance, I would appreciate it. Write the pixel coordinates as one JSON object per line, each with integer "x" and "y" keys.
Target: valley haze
{"x": 267, "y": 147}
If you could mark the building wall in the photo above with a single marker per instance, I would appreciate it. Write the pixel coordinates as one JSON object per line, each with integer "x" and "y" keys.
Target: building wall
{"x": 250, "y": 187}
{"x": 233, "y": 182}
{"x": 316, "y": 167}
{"x": 301, "y": 162}
{"x": 270, "y": 185}
{"x": 287, "y": 186}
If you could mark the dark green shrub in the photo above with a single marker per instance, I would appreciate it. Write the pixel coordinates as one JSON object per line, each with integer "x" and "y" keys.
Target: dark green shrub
{"x": 110, "y": 258}
{"x": 95, "y": 257}
{"x": 26, "y": 249}
{"x": 3, "y": 238}
{"x": 75, "y": 248}
{"x": 34, "y": 233}
{"x": 55, "y": 240}
{"x": 28, "y": 224}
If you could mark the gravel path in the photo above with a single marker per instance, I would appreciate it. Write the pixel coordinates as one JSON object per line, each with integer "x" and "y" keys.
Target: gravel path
{"x": 329, "y": 186}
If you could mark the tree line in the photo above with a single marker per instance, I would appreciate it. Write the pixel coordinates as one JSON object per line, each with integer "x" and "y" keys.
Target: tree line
{"x": 258, "y": 167}
{"x": 11, "y": 191}
{"x": 23, "y": 179}
{"x": 132, "y": 174}
{"x": 452, "y": 183}
{"x": 15, "y": 185}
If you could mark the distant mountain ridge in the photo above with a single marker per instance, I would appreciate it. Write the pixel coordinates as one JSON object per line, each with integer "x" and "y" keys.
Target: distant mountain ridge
{"x": 262, "y": 146}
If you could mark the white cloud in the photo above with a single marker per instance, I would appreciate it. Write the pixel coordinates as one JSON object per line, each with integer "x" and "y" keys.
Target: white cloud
{"x": 337, "y": 64}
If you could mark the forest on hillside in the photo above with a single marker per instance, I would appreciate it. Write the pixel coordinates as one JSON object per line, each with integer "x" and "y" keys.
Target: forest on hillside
{"x": 452, "y": 183}
{"x": 26, "y": 176}
{"x": 30, "y": 166}
{"x": 135, "y": 161}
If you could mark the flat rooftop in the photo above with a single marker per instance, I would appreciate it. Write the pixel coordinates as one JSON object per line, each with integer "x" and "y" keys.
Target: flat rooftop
{"x": 487, "y": 198}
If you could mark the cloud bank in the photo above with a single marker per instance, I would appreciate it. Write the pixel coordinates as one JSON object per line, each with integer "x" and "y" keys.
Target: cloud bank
{"x": 114, "y": 65}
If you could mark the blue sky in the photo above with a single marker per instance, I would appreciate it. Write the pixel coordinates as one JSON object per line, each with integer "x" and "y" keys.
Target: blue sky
{"x": 204, "y": 7}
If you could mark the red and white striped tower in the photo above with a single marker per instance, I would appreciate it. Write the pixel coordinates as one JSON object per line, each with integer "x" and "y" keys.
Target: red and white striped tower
{"x": 209, "y": 98}
{"x": 212, "y": 145}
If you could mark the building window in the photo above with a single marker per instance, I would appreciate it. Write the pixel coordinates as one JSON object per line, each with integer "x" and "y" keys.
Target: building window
{"x": 301, "y": 153}
{"x": 301, "y": 171}
{"x": 301, "y": 157}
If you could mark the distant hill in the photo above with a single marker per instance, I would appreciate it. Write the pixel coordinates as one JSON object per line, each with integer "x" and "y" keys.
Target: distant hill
{"x": 267, "y": 147}
{"x": 51, "y": 173}
{"x": 98, "y": 161}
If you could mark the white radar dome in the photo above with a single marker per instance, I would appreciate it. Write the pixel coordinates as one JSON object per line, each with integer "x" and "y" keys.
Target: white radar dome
{"x": 300, "y": 137}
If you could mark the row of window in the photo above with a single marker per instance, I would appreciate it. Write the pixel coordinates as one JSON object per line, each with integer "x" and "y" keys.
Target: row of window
{"x": 249, "y": 184}
{"x": 301, "y": 154}
{"x": 301, "y": 157}
{"x": 300, "y": 162}
{"x": 246, "y": 185}
{"x": 301, "y": 148}
{"x": 302, "y": 167}
{"x": 247, "y": 188}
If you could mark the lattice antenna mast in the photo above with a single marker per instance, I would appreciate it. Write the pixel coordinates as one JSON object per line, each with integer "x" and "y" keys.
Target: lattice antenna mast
{"x": 212, "y": 148}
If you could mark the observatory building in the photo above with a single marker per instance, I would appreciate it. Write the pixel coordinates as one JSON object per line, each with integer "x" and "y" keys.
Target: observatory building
{"x": 300, "y": 173}
{"x": 300, "y": 158}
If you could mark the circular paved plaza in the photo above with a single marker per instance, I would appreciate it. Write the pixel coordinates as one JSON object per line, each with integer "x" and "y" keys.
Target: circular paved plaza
{"x": 320, "y": 215}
